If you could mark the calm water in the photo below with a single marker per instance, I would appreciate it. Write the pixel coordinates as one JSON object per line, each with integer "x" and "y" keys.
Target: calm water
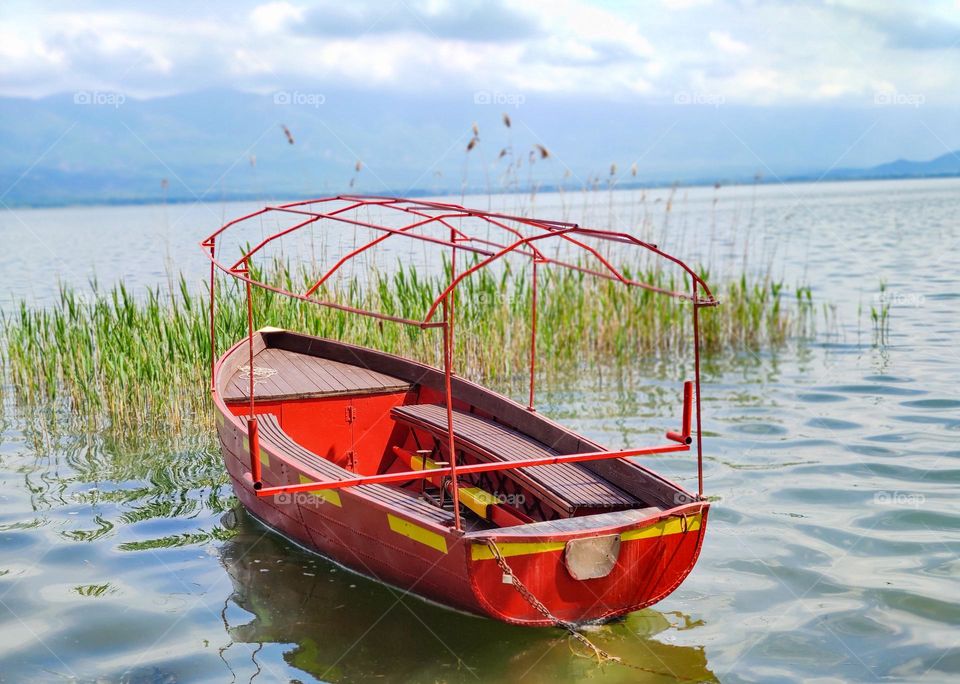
{"x": 832, "y": 553}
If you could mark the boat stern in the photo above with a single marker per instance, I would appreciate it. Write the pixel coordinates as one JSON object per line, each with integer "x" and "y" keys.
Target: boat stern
{"x": 596, "y": 573}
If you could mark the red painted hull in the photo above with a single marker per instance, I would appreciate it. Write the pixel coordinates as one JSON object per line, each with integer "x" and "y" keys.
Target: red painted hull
{"x": 457, "y": 568}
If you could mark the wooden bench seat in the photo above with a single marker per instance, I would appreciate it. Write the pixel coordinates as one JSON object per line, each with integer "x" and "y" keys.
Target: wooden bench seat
{"x": 569, "y": 485}
{"x": 393, "y": 497}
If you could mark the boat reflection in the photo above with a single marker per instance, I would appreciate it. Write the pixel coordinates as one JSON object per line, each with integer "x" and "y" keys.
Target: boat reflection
{"x": 342, "y": 627}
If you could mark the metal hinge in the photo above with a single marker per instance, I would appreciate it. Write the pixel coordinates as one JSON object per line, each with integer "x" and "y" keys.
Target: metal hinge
{"x": 351, "y": 414}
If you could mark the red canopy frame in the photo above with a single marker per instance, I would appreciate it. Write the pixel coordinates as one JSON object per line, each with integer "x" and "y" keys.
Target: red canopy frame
{"x": 425, "y": 214}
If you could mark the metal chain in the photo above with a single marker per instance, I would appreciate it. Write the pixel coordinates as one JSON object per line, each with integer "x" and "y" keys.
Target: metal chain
{"x": 601, "y": 655}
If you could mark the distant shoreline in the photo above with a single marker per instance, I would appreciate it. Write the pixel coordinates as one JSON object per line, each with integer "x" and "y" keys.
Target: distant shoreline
{"x": 652, "y": 185}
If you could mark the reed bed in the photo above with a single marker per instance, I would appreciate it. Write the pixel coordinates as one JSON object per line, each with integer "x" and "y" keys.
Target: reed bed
{"x": 115, "y": 359}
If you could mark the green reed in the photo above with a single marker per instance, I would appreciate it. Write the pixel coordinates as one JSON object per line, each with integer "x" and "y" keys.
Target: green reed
{"x": 113, "y": 358}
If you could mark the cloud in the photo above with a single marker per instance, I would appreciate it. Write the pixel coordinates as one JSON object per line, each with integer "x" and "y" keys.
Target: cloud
{"x": 467, "y": 20}
{"x": 725, "y": 43}
{"x": 771, "y": 52}
{"x": 914, "y": 31}
{"x": 274, "y": 16}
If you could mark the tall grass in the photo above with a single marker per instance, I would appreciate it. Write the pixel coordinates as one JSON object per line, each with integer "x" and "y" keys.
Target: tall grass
{"x": 116, "y": 359}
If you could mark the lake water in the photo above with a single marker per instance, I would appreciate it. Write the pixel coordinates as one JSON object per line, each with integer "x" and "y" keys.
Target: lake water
{"x": 832, "y": 552}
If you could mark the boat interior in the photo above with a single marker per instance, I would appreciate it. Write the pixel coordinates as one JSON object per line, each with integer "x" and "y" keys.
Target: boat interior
{"x": 344, "y": 410}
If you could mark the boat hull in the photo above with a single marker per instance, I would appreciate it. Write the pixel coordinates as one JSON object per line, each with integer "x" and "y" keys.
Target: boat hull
{"x": 657, "y": 547}
{"x": 459, "y": 569}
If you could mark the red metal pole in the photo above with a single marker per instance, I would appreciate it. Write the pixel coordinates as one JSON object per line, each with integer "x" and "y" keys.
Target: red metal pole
{"x": 684, "y": 435}
{"x": 447, "y": 372}
{"x": 533, "y": 336}
{"x": 213, "y": 330}
{"x": 253, "y": 437}
{"x": 253, "y": 434}
{"x": 469, "y": 469}
{"x": 696, "y": 366}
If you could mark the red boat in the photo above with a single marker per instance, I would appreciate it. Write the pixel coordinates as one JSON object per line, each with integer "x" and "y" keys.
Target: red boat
{"x": 420, "y": 479}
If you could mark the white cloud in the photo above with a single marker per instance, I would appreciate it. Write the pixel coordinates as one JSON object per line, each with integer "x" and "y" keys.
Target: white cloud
{"x": 725, "y": 43}
{"x": 684, "y": 4}
{"x": 274, "y": 16}
{"x": 776, "y": 52}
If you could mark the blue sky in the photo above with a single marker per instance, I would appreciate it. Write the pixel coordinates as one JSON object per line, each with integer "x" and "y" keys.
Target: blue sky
{"x": 752, "y": 53}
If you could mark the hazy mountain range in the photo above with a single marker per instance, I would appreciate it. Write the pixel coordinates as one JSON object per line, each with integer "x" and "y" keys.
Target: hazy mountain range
{"x": 103, "y": 147}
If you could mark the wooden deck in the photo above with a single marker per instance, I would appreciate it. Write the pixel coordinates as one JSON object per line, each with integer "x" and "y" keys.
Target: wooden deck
{"x": 282, "y": 374}
{"x": 568, "y": 484}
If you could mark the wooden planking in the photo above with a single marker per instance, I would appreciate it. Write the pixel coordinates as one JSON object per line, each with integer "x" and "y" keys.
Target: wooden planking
{"x": 301, "y": 376}
{"x": 392, "y": 497}
{"x": 571, "y": 483}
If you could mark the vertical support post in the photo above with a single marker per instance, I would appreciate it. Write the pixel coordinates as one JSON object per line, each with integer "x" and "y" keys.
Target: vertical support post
{"x": 533, "y": 336}
{"x": 696, "y": 379}
{"x": 453, "y": 269}
{"x": 447, "y": 372}
{"x": 448, "y": 316}
{"x": 253, "y": 434}
{"x": 213, "y": 330}
{"x": 687, "y": 408}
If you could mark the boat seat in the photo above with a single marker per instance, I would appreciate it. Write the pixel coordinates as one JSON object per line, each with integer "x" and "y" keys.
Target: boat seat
{"x": 570, "y": 486}
{"x": 392, "y": 497}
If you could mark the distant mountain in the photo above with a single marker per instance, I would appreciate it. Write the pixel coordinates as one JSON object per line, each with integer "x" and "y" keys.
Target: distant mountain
{"x": 90, "y": 147}
{"x": 943, "y": 166}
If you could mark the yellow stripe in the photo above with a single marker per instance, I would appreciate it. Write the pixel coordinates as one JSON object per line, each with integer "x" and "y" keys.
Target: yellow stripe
{"x": 483, "y": 552}
{"x": 328, "y": 495}
{"x": 660, "y": 529}
{"x": 663, "y": 528}
{"x": 417, "y": 533}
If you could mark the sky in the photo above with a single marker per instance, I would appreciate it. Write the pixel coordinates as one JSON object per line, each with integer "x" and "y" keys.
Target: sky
{"x": 104, "y": 99}
{"x": 781, "y": 52}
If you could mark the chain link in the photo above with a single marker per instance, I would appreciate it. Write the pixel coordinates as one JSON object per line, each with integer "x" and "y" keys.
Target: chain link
{"x": 601, "y": 655}
{"x": 528, "y": 596}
